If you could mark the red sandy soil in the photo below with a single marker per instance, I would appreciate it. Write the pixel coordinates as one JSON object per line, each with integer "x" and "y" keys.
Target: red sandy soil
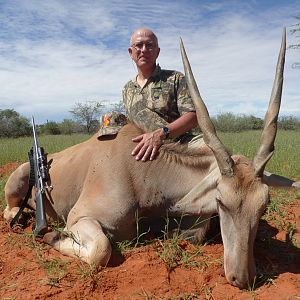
{"x": 140, "y": 273}
{"x": 8, "y": 168}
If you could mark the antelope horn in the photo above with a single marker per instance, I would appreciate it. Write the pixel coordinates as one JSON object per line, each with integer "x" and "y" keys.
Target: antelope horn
{"x": 268, "y": 135}
{"x": 222, "y": 156}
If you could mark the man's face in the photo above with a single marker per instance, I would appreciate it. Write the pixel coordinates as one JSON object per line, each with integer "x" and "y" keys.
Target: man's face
{"x": 144, "y": 50}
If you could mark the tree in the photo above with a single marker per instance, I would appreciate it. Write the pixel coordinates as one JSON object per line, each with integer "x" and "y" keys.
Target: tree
{"x": 87, "y": 113}
{"x": 296, "y": 30}
{"x": 68, "y": 126}
{"x": 12, "y": 124}
{"x": 50, "y": 127}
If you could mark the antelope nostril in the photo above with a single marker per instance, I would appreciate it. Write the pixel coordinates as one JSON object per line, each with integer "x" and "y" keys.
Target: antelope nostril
{"x": 233, "y": 279}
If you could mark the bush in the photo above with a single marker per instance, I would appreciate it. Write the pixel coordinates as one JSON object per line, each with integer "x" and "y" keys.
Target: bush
{"x": 50, "y": 127}
{"x": 228, "y": 122}
{"x": 289, "y": 123}
{"x": 68, "y": 126}
{"x": 12, "y": 124}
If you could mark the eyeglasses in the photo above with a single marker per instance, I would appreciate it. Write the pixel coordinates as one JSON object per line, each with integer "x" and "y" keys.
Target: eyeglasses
{"x": 140, "y": 45}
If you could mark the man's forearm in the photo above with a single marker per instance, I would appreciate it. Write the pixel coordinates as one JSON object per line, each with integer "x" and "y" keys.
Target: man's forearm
{"x": 183, "y": 124}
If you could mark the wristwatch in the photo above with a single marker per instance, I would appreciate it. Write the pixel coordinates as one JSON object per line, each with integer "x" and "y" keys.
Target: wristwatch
{"x": 166, "y": 131}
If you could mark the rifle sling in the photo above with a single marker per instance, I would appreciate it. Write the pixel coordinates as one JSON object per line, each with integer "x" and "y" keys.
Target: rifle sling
{"x": 22, "y": 207}
{"x": 31, "y": 182}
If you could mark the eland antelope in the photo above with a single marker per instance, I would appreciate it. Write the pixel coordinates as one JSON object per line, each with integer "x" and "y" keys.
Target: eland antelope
{"x": 98, "y": 187}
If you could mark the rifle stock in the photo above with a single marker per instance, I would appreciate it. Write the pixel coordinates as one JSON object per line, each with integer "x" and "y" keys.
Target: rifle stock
{"x": 41, "y": 225}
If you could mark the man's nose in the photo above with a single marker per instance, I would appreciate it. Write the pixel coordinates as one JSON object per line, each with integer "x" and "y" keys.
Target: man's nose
{"x": 144, "y": 47}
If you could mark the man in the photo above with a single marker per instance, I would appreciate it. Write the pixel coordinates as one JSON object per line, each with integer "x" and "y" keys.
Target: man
{"x": 156, "y": 100}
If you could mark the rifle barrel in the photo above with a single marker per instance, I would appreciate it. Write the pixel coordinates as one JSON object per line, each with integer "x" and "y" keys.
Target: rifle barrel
{"x": 39, "y": 169}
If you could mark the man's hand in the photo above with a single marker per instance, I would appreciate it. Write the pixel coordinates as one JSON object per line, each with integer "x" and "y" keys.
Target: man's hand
{"x": 148, "y": 145}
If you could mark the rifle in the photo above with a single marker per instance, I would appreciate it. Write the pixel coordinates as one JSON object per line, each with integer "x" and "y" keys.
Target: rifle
{"x": 41, "y": 177}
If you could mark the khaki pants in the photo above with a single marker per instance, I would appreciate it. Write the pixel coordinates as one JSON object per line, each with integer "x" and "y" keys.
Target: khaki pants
{"x": 192, "y": 142}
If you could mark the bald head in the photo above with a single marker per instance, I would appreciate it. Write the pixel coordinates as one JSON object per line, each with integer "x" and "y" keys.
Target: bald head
{"x": 143, "y": 32}
{"x": 144, "y": 50}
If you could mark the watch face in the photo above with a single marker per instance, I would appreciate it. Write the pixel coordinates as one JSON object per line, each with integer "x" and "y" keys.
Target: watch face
{"x": 166, "y": 131}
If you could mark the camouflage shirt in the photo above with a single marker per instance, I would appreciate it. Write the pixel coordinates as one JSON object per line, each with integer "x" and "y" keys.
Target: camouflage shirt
{"x": 163, "y": 99}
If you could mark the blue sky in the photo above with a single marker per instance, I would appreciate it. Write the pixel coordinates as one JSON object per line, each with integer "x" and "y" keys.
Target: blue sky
{"x": 56, "y": 53}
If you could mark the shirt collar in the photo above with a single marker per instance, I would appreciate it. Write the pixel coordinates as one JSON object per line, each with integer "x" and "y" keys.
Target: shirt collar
{"x": 154, "y": 75}
{"x": 156, "y": 72}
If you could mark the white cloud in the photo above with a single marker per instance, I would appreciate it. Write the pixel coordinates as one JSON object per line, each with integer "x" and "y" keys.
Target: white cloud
{"x": 56, "y": 53}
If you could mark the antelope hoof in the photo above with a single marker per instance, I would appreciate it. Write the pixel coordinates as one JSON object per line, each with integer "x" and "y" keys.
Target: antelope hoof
{"x": 296, "y": 185}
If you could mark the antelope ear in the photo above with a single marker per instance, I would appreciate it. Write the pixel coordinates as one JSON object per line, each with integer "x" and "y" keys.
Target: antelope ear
{"x": 260, "y": 166}
{"x": 221, "y": 154}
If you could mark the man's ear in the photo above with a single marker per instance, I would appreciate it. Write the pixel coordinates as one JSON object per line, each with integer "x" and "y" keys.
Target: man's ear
{"x": 130, "y": 51}
{"x": 158, "y": 51}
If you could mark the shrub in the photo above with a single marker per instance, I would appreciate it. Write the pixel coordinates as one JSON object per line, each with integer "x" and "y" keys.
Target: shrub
{"x": 50, "y": 127}
{"x": 228, "y": 122}
{"x": 289, "y": 123}
{"x": 68, "y": 126}
{"x": 12, "y": 124}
